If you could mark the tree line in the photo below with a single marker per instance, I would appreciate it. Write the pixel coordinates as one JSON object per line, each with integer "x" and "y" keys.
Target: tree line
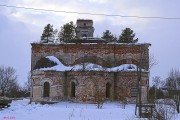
{"x": 165, "y": 94}
{"x": 160, "y": 87}
{"x": 68, "y": 31}
{"x": 9, "y": 85}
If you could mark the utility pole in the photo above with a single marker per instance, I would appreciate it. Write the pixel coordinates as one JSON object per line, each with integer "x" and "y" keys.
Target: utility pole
{"x": 140, "y": 83}
{"x": 139, "y": 91}
{"x": 155, "y": 92}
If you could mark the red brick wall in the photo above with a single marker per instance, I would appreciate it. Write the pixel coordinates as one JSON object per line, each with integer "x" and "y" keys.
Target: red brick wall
{"x": 87, "y": 81}
{"x": 71, "y": 54}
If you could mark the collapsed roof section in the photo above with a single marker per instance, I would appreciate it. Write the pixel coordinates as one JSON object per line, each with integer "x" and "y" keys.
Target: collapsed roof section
{"x": 58, "y": 66}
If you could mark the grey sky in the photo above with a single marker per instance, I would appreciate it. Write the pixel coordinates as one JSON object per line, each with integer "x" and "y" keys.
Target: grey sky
{"x": 19, "y": 27}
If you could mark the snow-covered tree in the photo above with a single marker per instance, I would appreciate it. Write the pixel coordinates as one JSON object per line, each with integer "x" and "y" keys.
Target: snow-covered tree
{"x": 47, "y": 35}
{"x": 127, "y": 36}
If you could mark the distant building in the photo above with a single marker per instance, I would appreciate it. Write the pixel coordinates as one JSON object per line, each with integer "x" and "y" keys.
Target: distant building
{"x": 84, "y": 28}
{"x": 88, "y": 71}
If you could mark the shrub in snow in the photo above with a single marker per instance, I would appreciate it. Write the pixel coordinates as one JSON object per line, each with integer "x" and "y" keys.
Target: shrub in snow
{"x": 165, "y": 109}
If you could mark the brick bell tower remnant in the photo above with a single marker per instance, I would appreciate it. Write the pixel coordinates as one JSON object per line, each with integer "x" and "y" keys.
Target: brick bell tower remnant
{"x": 84, "y": 28}
{"x": 90, "y": 70}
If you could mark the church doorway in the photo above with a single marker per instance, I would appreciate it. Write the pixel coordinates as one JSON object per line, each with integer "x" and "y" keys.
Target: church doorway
{"x": 46, "y": 89}
{"x": 108, "y": 90}
{"x": 73, "y": 88}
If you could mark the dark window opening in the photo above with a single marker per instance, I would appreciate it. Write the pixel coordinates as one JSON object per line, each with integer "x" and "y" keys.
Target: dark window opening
{"x": 84, "y": 24}
{"x": 84, "y": 35}
{"x": 73, "y": 89}
{"x": 46, "y": 89}
{"x": 108, "y": 90}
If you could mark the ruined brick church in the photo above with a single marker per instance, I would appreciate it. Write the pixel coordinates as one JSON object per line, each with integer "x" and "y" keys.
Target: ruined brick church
{"x": 89, "y": 69}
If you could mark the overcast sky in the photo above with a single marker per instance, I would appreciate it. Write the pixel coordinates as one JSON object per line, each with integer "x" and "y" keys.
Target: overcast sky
{"x": 20, "y": 27}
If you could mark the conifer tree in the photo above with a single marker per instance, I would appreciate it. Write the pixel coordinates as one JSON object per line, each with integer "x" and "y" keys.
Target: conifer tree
{"x": 67, "y": 32}
{"x": 47, "y": 35}
{"x": 107, "y": 35}
{"x": 127, "y": 36}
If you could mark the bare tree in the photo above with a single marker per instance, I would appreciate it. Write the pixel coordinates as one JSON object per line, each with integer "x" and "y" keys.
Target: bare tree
{"x": 173, "y": 85}
{"x": 173, "y": 80}
{"x": 15, "y": 90}
{"x": 27, "y": 87}
{"x": 157, "y": 83}
{"x": 152, "y": 61}
{"x": 8, "y": 79}
{"x": 28, "y": 82}
{"x": 165, "y": 109}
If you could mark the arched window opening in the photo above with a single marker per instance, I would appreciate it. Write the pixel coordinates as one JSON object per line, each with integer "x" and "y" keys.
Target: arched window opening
{"x": 46, "y": 89}
{"x": 73, "y": 88}
{"x": 108, "y": 90}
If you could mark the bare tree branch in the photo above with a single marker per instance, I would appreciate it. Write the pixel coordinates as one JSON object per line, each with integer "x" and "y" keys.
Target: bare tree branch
{"x": 7, "y": 79}
{"x": 152, "y": 61}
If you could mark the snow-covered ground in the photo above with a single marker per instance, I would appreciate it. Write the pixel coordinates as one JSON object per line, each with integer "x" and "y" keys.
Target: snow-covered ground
{"x": 21, "y": 110}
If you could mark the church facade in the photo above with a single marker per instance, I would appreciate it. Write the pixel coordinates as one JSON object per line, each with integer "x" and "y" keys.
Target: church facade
{"x": 89, "y": 71}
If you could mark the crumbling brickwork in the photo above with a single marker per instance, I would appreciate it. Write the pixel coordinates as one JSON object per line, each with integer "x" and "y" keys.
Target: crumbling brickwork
{"x": 103, "y": 54}
{"x": 84, "y": 85}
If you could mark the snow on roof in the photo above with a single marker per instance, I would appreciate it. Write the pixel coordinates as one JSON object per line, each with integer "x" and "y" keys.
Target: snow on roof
{"x": 54, "y": 59}
{"x": 87, "y": 66}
